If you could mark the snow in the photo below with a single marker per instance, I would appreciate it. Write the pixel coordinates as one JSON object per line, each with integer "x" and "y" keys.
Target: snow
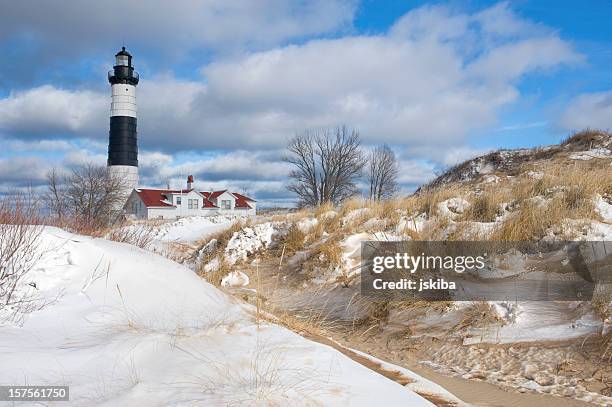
{"x": 206, "y": 250}
{"x": 598, "y": 231}
{"x": 235, "y": 279}
{"x": 249, "y": 240}
{"x": 590, "y": 154}
{"x": 419, "y": 384}
{"x": 374, "y": 223}
{"x": 490, "y": 179}
{"x": 129, "y": 327}
{"x": 190, "y": 229}
{"x": 415, "y": 223}
{"x": 589, "y": 230}
{"x": 603, "y": 208}
{"x": 453, "y": 206}
{"x": 351, "y": 252}
{"x": 535, "y": 174}
{"x": 354, "y": 214}
{"x": 307, "y": 224}
{"x": 328, "y": 215}
{"x": 486, "y": 169}
{"x": 212, "y": 265}
{"x": 532, "y": 321}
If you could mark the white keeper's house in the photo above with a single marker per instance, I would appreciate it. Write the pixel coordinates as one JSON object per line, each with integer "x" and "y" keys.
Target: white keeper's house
{"x": 172, "y": 204}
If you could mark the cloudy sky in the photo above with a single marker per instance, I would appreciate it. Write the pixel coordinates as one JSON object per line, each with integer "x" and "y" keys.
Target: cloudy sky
{"x": 225, "y": 83}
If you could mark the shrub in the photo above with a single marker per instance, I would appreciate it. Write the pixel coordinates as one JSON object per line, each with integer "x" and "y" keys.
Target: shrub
{"x": 20, "y": 230}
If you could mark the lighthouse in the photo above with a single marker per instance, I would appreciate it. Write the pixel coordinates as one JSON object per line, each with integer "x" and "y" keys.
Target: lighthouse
{"x": 122, "y": 137}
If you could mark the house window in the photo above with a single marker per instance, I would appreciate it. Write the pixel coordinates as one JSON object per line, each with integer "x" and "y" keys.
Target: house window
{"x": 192, "y": 203}
{"x": 178, "y": 200}
{"x": 226, "y": 204}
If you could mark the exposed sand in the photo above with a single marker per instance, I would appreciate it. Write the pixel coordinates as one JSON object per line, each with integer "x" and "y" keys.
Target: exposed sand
{"x": 475, "y": 392}
{"x": 538, "y": 374}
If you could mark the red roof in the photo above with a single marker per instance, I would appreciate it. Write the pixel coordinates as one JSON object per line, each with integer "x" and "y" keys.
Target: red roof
{"x": 158, "y": 197}
{"x": 153, "y": 197}
{"x": 242, "y": 204}
{"x": 243, "y": 197}
{"x": 242, "y": 201}
{"x": 208, "y": 204}
{"x": 215, "y": 194}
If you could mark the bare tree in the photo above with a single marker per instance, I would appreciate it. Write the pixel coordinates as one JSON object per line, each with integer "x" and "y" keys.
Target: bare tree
{"x": 326, "y": 166}
{"x": 89, "y": 196}
{"x": 55, "y": 195}
{"x": 20, "y": 231}
{"x": 382, "y": 174}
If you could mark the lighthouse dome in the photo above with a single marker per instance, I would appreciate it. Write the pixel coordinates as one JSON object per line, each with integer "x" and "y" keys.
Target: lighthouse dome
{"x": 123, "y": 71}
{"x": 123, "y": 58}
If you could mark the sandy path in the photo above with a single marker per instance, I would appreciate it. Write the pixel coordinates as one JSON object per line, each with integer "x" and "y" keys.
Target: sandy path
{"x": 475, "y": 392}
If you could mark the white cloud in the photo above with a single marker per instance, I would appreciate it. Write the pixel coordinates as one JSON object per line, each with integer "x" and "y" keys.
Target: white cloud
{"x": 22, "y": 171}
{"x": 460, "y": 154}
{"x": 77, "y": 157}
{"x": 71, "y": 25}
{"x": 509, "y": 62}
{"x": 521, "y": 126}
{"x": 592, "y": 110}
{"x": 236, "y": 165}
{"x": 434, "y": 23}
{"x": 414, "y": 172}
{"x": 50, "y": 111}
{"x": 501, "y": 21}
{"x": 36, "y": 146}
{"x": 415, "y": 85}
{"x": 434, "y": 78}
{"x": 394, "y": 88}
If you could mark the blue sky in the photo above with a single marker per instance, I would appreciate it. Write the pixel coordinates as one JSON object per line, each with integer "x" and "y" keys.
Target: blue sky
{"x": 225, "y": 83}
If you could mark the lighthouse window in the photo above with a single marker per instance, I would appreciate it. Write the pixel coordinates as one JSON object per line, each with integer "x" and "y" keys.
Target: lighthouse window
{"x": 122, "y": 60}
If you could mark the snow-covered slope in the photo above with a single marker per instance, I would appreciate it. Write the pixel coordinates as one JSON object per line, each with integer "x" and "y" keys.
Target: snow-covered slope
{"x": 131, "y": 328}
{"x": 192, "y": 228}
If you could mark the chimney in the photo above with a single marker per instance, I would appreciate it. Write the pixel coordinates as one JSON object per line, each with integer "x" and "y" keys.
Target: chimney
{"x": 190, "y": 182}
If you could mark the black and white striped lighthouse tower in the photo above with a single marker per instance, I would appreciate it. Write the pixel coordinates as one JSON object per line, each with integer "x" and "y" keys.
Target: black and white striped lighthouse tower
{"x": 123, "y": 140}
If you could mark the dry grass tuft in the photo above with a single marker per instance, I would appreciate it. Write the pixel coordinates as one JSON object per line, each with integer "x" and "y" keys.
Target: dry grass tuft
{"x": 565, "y": 192}
{"x": 602, "y": 301}
{"x": 478, "y": 315}
{"x": 352, "y": 204}
{"x": 586, "y": 138}
{"x": 329, "y": 252}
{"x": 325, "y": 208}
{"x": 329, "y": 225}
{"x": 140, "y": 235}
{"x": 293, "y": 241}
{"x": 485, "y": 207}
{"x": 215, "y": 275}
{"x": 222, "y": 237}
{"x": 389, "y": 210}
{"x": 427, "y": 199}
{"x": 530, "y": 222}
